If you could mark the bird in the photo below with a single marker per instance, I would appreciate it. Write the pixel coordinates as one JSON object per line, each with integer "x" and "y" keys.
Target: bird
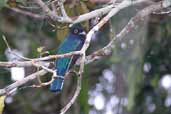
{"x": 74, "y": 41}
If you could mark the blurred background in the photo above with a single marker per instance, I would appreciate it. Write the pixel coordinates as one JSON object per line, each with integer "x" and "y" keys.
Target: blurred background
{"x": 134, "y": 79}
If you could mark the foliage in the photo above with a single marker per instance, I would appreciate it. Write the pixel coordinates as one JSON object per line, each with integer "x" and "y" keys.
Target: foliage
{"x": 2, "y": 98}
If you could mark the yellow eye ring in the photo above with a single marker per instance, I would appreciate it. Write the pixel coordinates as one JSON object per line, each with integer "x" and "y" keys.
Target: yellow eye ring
{"x": 75, "y": 31}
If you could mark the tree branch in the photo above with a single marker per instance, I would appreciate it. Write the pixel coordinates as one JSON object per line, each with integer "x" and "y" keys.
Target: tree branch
{"x": 110, "y": 11}
{"x": 27, "y": 13}
{"x": 132, "y": 24}
{"x": 16, "y": 84}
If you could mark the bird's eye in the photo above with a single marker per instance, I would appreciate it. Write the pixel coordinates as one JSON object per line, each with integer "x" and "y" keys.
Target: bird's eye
{"x": 75, "y": 31}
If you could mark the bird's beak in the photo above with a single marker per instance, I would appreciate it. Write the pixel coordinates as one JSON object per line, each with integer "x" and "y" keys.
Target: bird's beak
{"x": 82, "y": 33}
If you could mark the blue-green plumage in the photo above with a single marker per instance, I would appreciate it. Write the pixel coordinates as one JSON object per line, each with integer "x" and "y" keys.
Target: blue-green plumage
{"x": 73, "y": 42}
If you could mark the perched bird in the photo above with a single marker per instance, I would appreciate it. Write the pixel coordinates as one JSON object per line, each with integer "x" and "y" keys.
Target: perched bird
{"x": 73, "y": 42}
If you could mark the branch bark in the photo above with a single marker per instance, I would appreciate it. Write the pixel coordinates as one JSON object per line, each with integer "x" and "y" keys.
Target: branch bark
{"x": 132, "y": 24}
{"x": 107, "y": 50}
{"x": 16, "y": 84}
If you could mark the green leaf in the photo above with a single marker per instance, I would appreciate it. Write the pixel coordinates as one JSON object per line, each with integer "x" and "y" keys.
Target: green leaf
{"x": 2, "y": 98}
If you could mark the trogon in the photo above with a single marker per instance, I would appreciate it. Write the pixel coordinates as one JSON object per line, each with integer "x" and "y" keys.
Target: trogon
{"x": 72, "y": 42}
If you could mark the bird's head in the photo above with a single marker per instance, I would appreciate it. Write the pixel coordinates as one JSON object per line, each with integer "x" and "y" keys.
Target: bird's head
{"x": 78, "y": 30}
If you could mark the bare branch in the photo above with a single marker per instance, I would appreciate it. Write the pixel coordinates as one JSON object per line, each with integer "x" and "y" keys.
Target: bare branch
{"x": 78, "y": 19}
{"x": 113, "y": 12}
{"x": 31, "y": 62}
{"x": 27, "y": 13}
{"x": 132, "y": 24}
{"x": 110, "y": 11}
{"x": 77, "y": 92}
{"x": 64, "y": 14}
{"x": 6, "y": 42}
{"x": 20, "y": 64}
{"x": 41, "y": 84}
{"x": 50, "y": 13}
{"x": 58, "y": 56}
{"x": 16, "y": 84}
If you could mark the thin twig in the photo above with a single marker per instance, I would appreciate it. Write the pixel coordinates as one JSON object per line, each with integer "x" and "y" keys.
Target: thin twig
{"x": 41, "y": 84}
{"x": 11, "y": 51}
{"x": 28, "y": 13}
{"x": 64, "y": 14}
{"x": 7, "y": 44}
{"x": 77, "y": 92}
{"x": 140, "y": 16}
{"x": 16, "y": 84}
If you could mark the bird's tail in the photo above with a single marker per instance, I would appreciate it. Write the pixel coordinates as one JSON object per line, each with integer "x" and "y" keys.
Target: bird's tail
{"x": 57, "y": 84}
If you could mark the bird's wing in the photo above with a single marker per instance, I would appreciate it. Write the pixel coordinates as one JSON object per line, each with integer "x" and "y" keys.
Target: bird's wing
{"x": 62, "y": 64}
